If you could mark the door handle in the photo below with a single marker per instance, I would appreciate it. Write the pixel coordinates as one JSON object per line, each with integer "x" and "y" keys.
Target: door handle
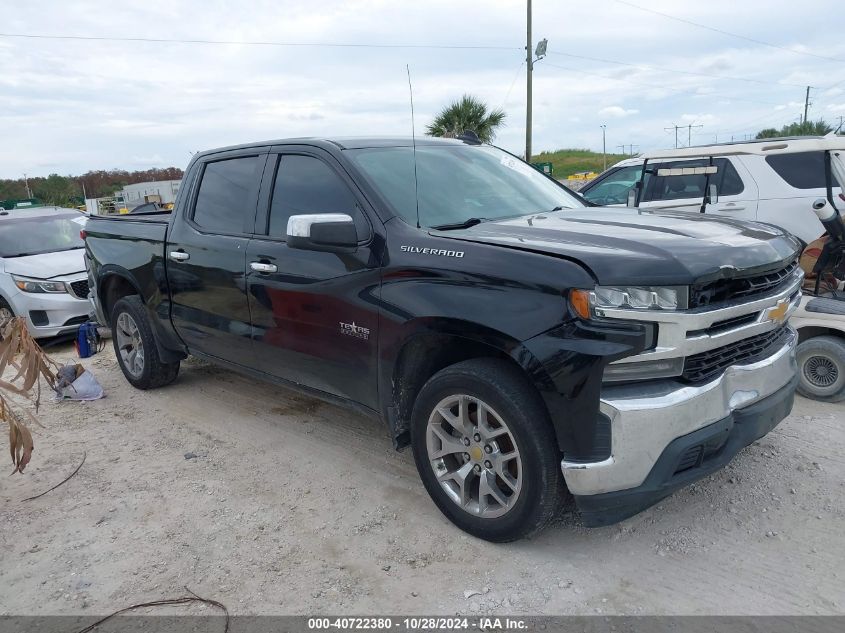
{"x": 730, "y": 206}
{"x": 261, "y": 267}
{"x": 179, "y": 256}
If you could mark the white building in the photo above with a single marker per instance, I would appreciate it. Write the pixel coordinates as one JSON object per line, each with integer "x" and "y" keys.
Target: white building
{"x": 161, "y": 191}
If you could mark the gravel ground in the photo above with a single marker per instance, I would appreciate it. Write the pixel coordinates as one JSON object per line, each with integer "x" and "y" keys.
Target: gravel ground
{"x": 274, "y": 504}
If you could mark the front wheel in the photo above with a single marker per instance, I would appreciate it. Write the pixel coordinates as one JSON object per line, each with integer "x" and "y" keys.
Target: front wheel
{"x": 485, "y": 450}
{"x": 821, "y": 365}
{"x": 135, "y": 348}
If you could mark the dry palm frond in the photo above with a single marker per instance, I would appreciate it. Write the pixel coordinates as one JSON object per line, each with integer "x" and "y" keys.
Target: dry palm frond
{"x": 20, "y": 352}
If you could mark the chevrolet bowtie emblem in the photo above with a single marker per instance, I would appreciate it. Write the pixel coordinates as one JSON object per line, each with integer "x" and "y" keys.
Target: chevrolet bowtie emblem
{"x": 778, "y": 312}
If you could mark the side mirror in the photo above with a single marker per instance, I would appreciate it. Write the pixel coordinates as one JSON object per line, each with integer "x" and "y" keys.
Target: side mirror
{"x": 632, "y": 197}
{"x": 712, "y": 194}
{"x": 322, "y": 232}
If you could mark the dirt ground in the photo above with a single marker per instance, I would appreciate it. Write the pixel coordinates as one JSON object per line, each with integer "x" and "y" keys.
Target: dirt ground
{"x": 273, "y": 504}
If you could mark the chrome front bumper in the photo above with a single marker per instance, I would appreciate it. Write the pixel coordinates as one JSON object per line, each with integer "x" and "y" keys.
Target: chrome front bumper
{"x": 646, "y": 417}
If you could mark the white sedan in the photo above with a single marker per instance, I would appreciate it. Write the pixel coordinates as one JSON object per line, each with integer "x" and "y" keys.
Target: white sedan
{"x": 42, "y": 269}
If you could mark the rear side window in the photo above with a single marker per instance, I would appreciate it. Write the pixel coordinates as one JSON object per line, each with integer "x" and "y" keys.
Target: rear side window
{"x": 305, "y": 184}
{"x": 726, "y": 179}
{"x": 227, "y": 195}
{"x": 804, "y": 170}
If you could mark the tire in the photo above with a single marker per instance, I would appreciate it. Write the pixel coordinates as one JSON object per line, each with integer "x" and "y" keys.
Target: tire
{"x": 131, "y": 331}
{"x": 821, "y": 368}
{"x": 6, "y": 311}
{"x": 487, "y": 386}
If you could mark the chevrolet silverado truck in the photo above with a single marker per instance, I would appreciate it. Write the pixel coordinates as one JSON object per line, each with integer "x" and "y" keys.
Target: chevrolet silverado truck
{"x": 525, "y": 346}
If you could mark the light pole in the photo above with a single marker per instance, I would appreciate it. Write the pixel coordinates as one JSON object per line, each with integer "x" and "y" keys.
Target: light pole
{"x": 603, "y": 147}
{"x": 540, "y": 52}
{"x": 26, "y": 184}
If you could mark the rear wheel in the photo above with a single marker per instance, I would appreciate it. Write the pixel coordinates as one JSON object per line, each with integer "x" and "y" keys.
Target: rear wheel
{"x": 485, "y": 450}
{"x": 821, "y": 366}
{"x": 135, "y": 348}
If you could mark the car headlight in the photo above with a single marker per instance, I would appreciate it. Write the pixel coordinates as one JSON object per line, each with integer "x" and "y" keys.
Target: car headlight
{"x": 589, "y": 303}
{"x": 39, "y": 285}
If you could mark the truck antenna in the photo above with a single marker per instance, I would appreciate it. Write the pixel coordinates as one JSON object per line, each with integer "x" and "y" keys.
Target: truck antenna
{"x": 414, "y": 145}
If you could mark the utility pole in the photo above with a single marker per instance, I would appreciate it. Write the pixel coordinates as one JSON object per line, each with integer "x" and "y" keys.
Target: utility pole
{"x": 604, "y": 147}
{"x": 530, "y": 65}
{"x": 806, "y": 103}
{"x": 689, "y": 133}
{"x": 675, "y": 127}
{"x": 839, "y": 127}
{"x": 26, "y": 184}
{"x": 530, "y": 53}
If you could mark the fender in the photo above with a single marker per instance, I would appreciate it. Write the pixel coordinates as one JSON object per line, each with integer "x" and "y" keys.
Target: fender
{"x": 170, "y": 348}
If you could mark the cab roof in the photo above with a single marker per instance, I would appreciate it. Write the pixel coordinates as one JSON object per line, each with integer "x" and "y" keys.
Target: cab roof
{"x": 346, "y": 142}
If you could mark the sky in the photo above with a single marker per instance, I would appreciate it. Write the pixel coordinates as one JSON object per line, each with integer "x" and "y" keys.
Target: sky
{"x": 68, "y": 106}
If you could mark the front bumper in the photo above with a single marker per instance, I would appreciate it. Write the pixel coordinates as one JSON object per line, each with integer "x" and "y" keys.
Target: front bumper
{"x": 648, "y": 419}
{"x": 54, "y": 313}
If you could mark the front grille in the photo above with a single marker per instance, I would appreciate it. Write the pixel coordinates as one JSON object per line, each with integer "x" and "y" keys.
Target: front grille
{"x": 80, "y": 288}
{"x": 730, "y": 289}
{"x": 707, "y": 365}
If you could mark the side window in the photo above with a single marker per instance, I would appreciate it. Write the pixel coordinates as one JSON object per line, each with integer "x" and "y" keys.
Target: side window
{"x": 226, "y": 195}
{"x": 613, "y": 188}
{"x": 726, "y": 178}
{"x": 676, "y": 187}
{"x": 729, "y": 181}
{"x": 305, "y": 184}
{"x": 804, "y": 170}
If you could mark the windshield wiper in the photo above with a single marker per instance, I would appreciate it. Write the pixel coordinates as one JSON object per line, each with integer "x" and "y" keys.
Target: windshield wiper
{"x": 460, "y": 225}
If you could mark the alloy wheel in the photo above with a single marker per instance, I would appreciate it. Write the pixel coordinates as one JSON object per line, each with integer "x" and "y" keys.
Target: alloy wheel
{"x": 474, "y": 456}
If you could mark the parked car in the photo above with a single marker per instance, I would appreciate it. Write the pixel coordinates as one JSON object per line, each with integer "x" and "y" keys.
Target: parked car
{"x": 768, "y": 180}
{"x": 42, "y": 269}
{"x": 521, "y": 343}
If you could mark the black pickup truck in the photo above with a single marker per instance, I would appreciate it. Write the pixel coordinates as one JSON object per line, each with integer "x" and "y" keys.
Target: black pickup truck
{"x": 523, "y": 343}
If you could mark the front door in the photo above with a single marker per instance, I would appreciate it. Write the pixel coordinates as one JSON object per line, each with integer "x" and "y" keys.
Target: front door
{"x": 314, "y": 314}
{"x": 737, "y": 192}
{"x": 206, "y": 258}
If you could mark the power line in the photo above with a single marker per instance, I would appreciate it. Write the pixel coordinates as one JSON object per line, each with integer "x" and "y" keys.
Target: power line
{"x": 659, "y": 87}
{"x": 156, "y": 40}
{"x": 736, "y": 35}
{"x": 673, "y": 70}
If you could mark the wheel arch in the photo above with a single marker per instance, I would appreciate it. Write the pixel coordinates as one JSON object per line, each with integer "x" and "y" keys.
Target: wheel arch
{"x": 116, "y": 283}
{"x": 807, "y": 332}
{"x": 434, "y": 346}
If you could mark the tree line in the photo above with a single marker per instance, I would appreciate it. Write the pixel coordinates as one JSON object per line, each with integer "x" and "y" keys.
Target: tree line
{"x": 68, "y": 190}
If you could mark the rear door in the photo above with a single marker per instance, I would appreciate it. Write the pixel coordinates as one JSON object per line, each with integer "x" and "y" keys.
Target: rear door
{"x": 206, "y": 256}
{"x": 737, "y": 194}
{"x": 314, "y": 314}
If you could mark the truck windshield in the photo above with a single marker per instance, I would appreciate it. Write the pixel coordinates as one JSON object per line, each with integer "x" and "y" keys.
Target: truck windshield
{"x": 34, "y": 235}
{"x": 458, "y": 183}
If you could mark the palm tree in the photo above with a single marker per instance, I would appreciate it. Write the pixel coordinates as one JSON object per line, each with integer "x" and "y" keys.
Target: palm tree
{"x": 468, "y": 114}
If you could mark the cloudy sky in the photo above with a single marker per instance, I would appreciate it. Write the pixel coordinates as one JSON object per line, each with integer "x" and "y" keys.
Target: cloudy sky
{"x": 68, "y": 105}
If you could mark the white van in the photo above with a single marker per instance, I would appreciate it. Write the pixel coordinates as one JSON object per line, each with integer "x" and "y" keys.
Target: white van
{"x": 767, "y": 180}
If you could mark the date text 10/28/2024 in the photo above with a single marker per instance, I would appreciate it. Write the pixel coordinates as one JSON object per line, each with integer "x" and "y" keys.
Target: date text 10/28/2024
{"x": 422, "y": 623}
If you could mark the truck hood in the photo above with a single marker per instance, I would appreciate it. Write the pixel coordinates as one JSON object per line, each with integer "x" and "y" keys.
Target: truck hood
{"x": 47, "y": 265}
{"x": 637, "y": 246}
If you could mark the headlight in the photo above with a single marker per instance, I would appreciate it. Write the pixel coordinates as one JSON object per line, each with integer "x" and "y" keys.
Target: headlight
{"x": 591, "y": 302}
{"x": 39, "y": 285}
